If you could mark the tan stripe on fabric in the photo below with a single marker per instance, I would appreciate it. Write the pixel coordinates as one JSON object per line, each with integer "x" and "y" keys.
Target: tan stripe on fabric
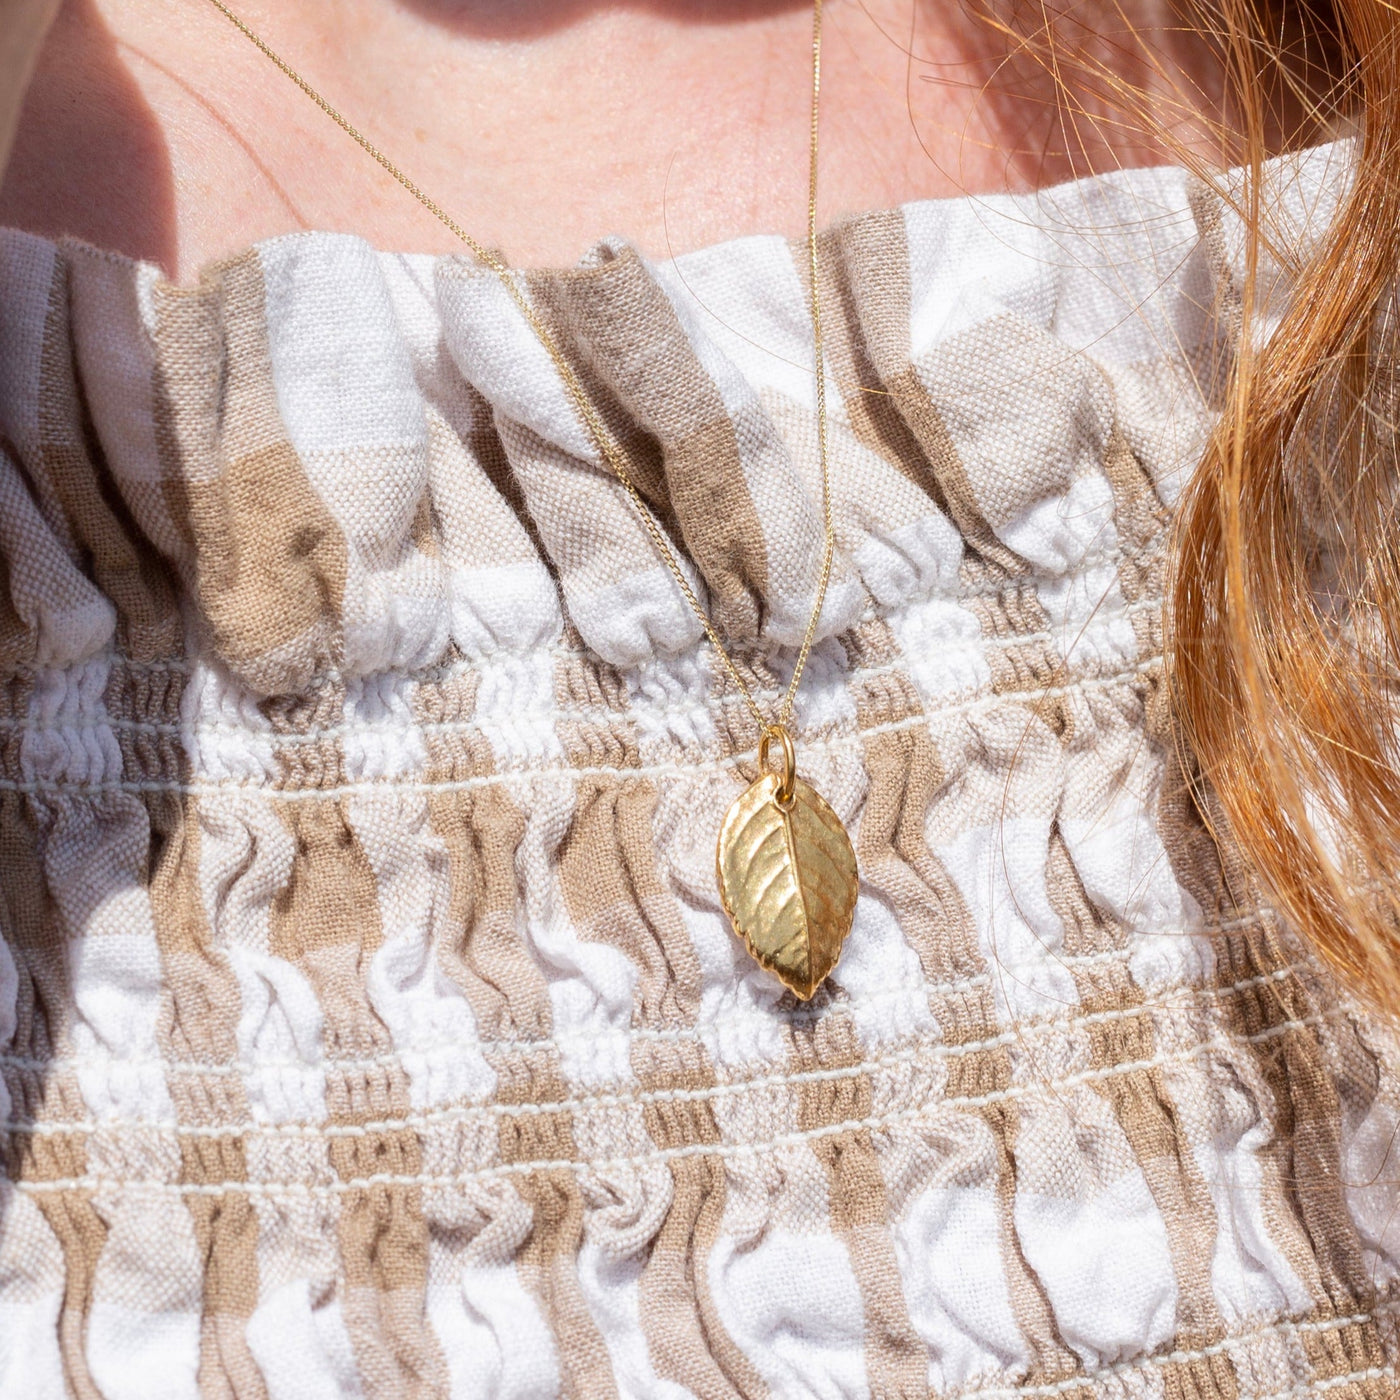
{"x": 967, "y": 1014}
{"x": 1144, "y": 1108}
{"x": 472, "y": 525}
{"x": 635, "y": 342}
{"x": 547, "y": 1262}
{"x": 865, "y": 270}
{"x": 607, "y": 870}
{"x": 481, "y": 830}
{"x": 607, "y": 875}
{"x": 640, "y": 450}
{"x": 272, "y": 562}
{"x": 1197, "y": 863}
{"x": 19, "y": 641}
{"x": 30, "y": 926}
{"x": 909, "y": 396}
{"x": 1307, "y": 1138}
{"x": 607, "y": 860}
{"x": 124, "y": 566}
{"x": 688, "y": 1342}
{"x": 426, "y": 531}
{"x": 383, "y": 1238}
{"x": 327, "y": 922}
{"x": 1013, "y": 611}
{"x": 686, "y": 1338}
{"x": 81, "y": 1234}
{"x": 200, "y": 1026}
{"x": 1208, "y": 210}
{"x": 896, "y": 1359}
{"x": 905, "y": 773}
{"x": 891, "y": 849}
{"x": 1052, "y": 1362}
{"x": 330, "y": 903}
{"x": 1344, "y": 1351}
{"x": 504, "y": 984}
{"x": 138, "y": 699}
{"x": 1300, "y": 1166}
{"x": 1208, "y": 1377}
{"x": 1140, "y": 521}
{"x": 307, "y": 729}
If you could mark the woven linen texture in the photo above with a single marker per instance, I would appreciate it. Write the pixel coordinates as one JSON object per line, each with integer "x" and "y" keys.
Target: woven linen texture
{"x": 369, "y": 1024}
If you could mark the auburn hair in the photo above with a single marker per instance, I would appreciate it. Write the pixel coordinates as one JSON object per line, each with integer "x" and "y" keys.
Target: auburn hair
{"x": 1283, "y": 605}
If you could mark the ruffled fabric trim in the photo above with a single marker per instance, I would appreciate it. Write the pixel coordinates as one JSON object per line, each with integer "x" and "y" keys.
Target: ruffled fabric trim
{"x": 369, "y": 1024}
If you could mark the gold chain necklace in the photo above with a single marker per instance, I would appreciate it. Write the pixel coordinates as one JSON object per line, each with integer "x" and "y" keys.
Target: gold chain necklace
{"x": 786, "y": 867}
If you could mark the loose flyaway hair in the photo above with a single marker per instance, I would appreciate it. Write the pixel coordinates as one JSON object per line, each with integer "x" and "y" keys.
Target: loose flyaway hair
{"x": 1283, "y": 606}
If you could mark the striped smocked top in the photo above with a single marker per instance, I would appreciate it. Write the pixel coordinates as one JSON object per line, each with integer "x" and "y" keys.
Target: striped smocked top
{"x": 369, "y": 1023}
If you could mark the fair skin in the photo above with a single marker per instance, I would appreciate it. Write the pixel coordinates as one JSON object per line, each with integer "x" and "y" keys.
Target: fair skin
{"x": 153, "y": 128}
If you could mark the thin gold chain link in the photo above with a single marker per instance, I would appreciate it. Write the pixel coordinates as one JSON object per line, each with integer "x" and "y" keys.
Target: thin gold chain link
{"x": 603, "y": 440}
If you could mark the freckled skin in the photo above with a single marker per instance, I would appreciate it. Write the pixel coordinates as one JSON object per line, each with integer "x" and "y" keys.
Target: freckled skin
{"x": 152, "y": 127}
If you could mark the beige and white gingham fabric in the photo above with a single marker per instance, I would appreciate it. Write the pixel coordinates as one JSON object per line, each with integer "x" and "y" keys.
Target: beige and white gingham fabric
{"x": 369, "y": 1023}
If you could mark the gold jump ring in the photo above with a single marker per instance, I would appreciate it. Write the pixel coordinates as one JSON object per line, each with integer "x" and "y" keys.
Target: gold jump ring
{"x": 789, "y": 773}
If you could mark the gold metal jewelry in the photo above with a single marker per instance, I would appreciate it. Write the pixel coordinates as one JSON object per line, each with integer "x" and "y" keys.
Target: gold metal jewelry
{"x": 787, "y": 873}
{"x": 787, "y": 870}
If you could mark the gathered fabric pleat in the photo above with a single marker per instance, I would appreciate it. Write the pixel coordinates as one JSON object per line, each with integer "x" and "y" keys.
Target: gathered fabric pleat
{"x": 370, "y": 1025}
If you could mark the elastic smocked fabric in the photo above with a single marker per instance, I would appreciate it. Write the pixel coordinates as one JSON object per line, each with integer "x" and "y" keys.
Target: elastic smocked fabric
{"x": 369, "y": 1023}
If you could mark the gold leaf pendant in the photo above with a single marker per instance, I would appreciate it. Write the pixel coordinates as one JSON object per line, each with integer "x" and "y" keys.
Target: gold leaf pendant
{"x": 787, "y": 874}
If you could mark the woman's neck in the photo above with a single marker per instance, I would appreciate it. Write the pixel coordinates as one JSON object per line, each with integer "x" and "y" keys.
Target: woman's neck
{"x": 153, "y": 128}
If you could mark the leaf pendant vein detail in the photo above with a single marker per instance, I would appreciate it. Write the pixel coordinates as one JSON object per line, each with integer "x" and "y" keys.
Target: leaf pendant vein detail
{"x": 787, "y": 879}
